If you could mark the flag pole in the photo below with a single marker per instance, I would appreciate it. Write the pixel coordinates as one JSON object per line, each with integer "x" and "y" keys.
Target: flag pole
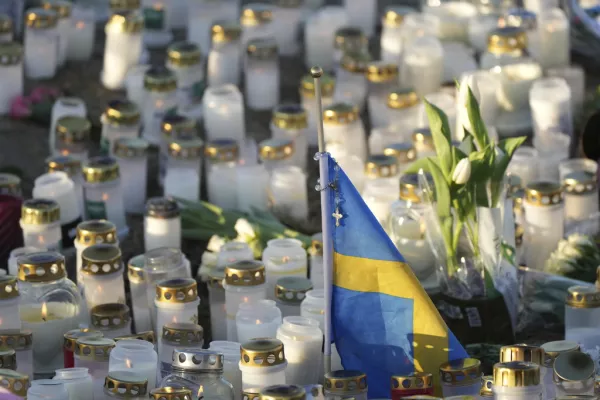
{"x": 326, "y": 213}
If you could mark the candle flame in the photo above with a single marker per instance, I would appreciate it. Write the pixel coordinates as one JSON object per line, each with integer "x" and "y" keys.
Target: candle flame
{"x": 80, "y": 25}
{"x": 64, "y": 152}
{"x": 245, "y": 299}
{"x": 44, "y": 312}
{"x": 128, "y": 363}
{"x": 258, "y": 322}
{"x": 158, "y": 7}
{"x": 174, "y": 319}
{"x": 285, "y": 259}
{"x": 200, "y": 392}
{"x": 105, "y": 196}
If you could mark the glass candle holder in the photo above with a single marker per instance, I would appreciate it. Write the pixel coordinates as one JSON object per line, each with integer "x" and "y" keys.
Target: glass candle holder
{"x": 257, "y": 320}
{"x": 185, "y": 60}
{"x": 550, "y": 102}
{"x": 257, "y": 372}
{"x": 303, "y": 340}
{"x": 225, "y": 57}
{"x": 581, "y": 196}
{"x": 81, "y": 34}
{"x": 224, "y": 113}
{"x": 553, "y": 30}
{"x": 121, "y": 119}
{"x": 63, "y": 25}
{"x": 287, "y": 19}
{"x": 73, "y": 137}
{"x": 102, "y": 269}
{"x": 134, "y": 355}
{"x": 177, "y": 335}
{"x": 402, "y": 113}
{"x": 13, "y": 267}
{"x": 232, "y": 252}
{"x": 103, "y": 193}
{"x": 257, "y": 22}
{"x": 342, "y": 124}
{"x": 123, "y": 47}
{"x": 122, "y": 384}
{"x": 516, "y": 380}
{"x": 351, "y": 82}
{"x": 21, "y": 342}
{"x": 139, "y": 300}
{"x": 77, "y": 381}
{"x": 574, "y": 374}
{"x": 94, "y": 354}
{"x": 416, "y": 384}
{"x": 90, "y": 233}
{"x": 244, "y": 283}
{"x": 422, "y": 65}
{"x": 461, "y": 377}
{"x": 553, "y": 148}
{"x": 9, "y": 304}
{"x": 49, "y": 306}
{"x": 309, "y": 103}
{"x": 41, "y": 43}
{"x": 14, "y": 382}
{"x": 176, "y": 301}
{"x": 381, "y": 75}
{"x": 349, "y": 39}
{"x": 251, "y": 184}
{"x": 221, "y": 156}
{"x": 47, "y": 389}
{"x": 231, "y": 364}
{"x": 276, "y": 153}
{"x": 160, "y": 88}
{"x": 577, "y": 165}
{"x": 262, "y": 74}
{"x": 319, "y": 32}
{"x": 552, "y": 350}
{"x": 72, "y": 166}
{"x": 216, "y": 298}
{"x": 391, "y": 33}
{"x": 283, "y": 258}
{"x": 575, "y": 78}
{"x": 343, "y": 384}
{"x": 174, "y": 127}
{"x": 132, "y": 156}
{"x": 11, "y": 68}
{"x": 378, "y": 195}
{"x": 582, "y": 305}
{"x": 40, "y": 222}
{"x": 70, "y": 341}
{"x": 162, "y": 223}
{"x": 289, "y": 292}
{"x": 6, "y": 28}
{"x": 290, "y": 121}
{"x": 112, "y": 319}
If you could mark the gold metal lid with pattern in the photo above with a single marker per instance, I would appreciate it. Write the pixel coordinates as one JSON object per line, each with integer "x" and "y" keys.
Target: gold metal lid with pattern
{"x": 256, "y": 14}
{"x": 290, "y": 117}
{"x": 197, "y": 360}
{"x": 147, "y": 336}
{"x": 554, "y": 349}
{"x": 126, "y": 21}
{"x": 73, "y": 130}
{"x": 409, "y": 187}
{"x": 226, "y": 31}
{"x": 10, "y": 184}
{"x": 101, "y": 259}
{"x": 16, "y": 340}
{"x": 6, "y": 23}
{"x": 125, "y": 384}
{"x": 402, "y": 98}
{"x": 356, "y": 61}
{"x": 171, "y": 393}
{"x": 61, "y": 7}
{"x": 282, "y": 392}
{"x": 15, "y": 382}
{"x": 71, "y": 337}
{"x": 96, "y": 231}
{"x": 506, "y": 40}
{"x": 245, "y": 273}
{"x": 276, "y": 149}
{"x": 11, "y": 53}
{"x": 110, "y": 316}
{"x": 63, "y": 163}
{"x": 262, "y": 48}
{"x": 573, "y": 366}
{"x": 583, "y": 297}
{"x": 94, "y": 348}
{"x": 423, "y": 137}
{"x": 184, "y": 54}
{"x": 45, "y": 266}
{"x": 177, "y": 290}
{"x": 262, "y": 352}
{"x": 186, "y": 148}
{"x": 381, "y": 71}
{"x": 129, "y": 147}
{"x": 381, "y": 166}
{"x": 222, "y": 150}
{"x": 404, "y": 152}
{"x": 460, "y": 372}
{"x": 251, "y": 394}
{"x": 350, "y": 39}
{"x": 307, "y": 86}
{"x": 135, "y": 268}
{"x": 8, "y": 358}
{"x": 175, "y": 126}
{"x": 345, "y": 381}
{"x": 124, "y": 5}
{"x": 516, "y": 374}
{"x": 580, "y": 183}
{"x": 292, "y": 289}
{"x": 340, "y": 114}
{"x": 523, "y": 353}
{"x": 8, "y": 287}
{"x": 486, "y": 386}
{"x": 394, "y": 15}
{"x": 183, "y": 333}
{"x": 121, "y": 113}
{"x": 162, "y": 208}
{"x": 417, "y": 380}
{"x": 101, "y": 169}
{"x": 160, "y": 79}
{"x": 40, "y": 18}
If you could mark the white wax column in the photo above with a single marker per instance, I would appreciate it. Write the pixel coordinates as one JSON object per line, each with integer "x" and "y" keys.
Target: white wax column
{"x": 302, "y": 340}
{"x": 524, "y": 164}
{"x": 258, "y": 319}
{"x": 41, "y": 55}
{"x": 284, "y": 257}
{"x": 262, "y": 83}
{"x": 231, "y": 369}
{"x": 82, "y": 34}
{"x": 162, "y": 224}
{"x": 543, "y": 230}
{"x": 288, "y": 192}
{"x": 455, "y": 17}
{"x": 47, "y": 389}
{"x": 122, "y": 49}
{"x": 77, "y": 381}
{"x": 224, "y": 63}
{"x": 361, "y": 13}
{"x": 251, "y": 187}
{"x": 550, "y": 101}
{"x": 9, "y": 304}
{"x": 422, "y": 66}
{"x": 176, "y": 301}
{"x": 134, "y": 84}
{"x": 224, "y": 113}
{"x": 576, "y": 165}
{"x": 11, "y": 70}
{"x": 319, "y": 32}
{"x": 236, "y": 295}
{"x": 221, "y": 184}
{"x": 137, "y": 355}
{"x": 554, "y": 31}
{"x": 65, "y": 107}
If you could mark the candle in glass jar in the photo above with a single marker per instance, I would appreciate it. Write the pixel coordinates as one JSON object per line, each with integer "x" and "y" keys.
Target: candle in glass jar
{"x": 122, "y": 384}
{"x": 276, "y": 153}
{"x": 6, "y": 28}
{"x": 262, "y": 74}
{"x": 94, "y": 354}
{"x": 282, "y": 258}
{"x": 257, "y": 319}
{"x": 461, "y": 377}
{"x": 40, "y": 221}
{"x": 162, "y": 223}
{"x": 64, "y": 107}
{"x": 176, "y": 301}
{"x": 574, "y": 374}
{"x": 134, "y": 84}
{"x": 90, "y": 233}
{"x": 391, "y": 34}
{"x": 47, "y": 389}
{"x": 41, "y": 43}
{"x": 157, "y": 28}
{"x": 185, "y": 60}
{"x": 70, "y": 341}
{"x": 342, "y": 125}
{"x": 550, "y": 102}
{"x": 574, "y": 75}
{"x": 73, "y": 137}
{"x": 160, "y": 87}
{"x": 134, "y": 355}
{"x": 422, "y": 65}
{"x": 177, "y": 335}
{"x": 380, "y": 75}
{"x": 132, "y": 156}
{"x": 11, "y": 69}
{"x": 121, "y": 119}
{"x": 303, "y": 340}
{"x": 554, "y": 33}
{"x": 361, "y": 13}
{"x": 290, "y": 121}
{"x": 77, "y": 381}
{"x": 257, "y": 372}
{"x": 224, "y": 113}
{"x": 287, "y": 19}
{"x": 225, "y": 57}
{"x": 231, "y": 364}
{"x": 288, "y": 192}
{"x": 200, "y": 17}
{"x": 581, "y": 196}
{"x": 221, "y": 156}
{"x": 553, "y": 148}
{"x": 349, "y": 39}
{"x": 289, "y": 292}
{"x": 81, "y": 34}
{"x": 123, "y": 47}
{"x": 403, "y": 106}
{"x": 351, "y": 81}
{"x": 102, "y": 269}
{"x": 112, "y": 319}
{"x": 517, "y": 380}
{"x": 418, "y": 383}
{"x": 63, "y": 10}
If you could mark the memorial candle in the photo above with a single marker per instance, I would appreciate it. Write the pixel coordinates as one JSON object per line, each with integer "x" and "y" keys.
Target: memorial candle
{"x": 263, "y": 363}
{"x": 262, "y": 74}
{"x": 176, "y": 301}
{"x": 94, "y": 354}
{"x": 125, "y": 385}
{"x": 102, "y": 269}
{"x": 112, "y": 319}
{"x": 224, "y": 59}
{"x": 70, "y": 340}
{"x": 177, "y": 335}
{"x": 303, "y": 341}
{"x": 11, "y": 68}
{"x": 139, "y": 299}
{"x": 41, "y": 43}
{"x": 6, "y": 28}
{"x": 77, "y": 381}
{"x": 134, "y": 355}
{"x": 22, "y": 343}
{"x": 257, "y": 319}
{"x": 14, "y": 382}
{"x": 123, "y": 47}
{"x": 63, "y": 10}
{"x": 121, "y": 119}
{"x": 82, "y": 34}
{"x": 9, "y": 304}
{"x": 132, "y": 156}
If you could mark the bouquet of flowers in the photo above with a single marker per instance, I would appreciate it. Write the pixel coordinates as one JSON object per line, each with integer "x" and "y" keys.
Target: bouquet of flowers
{"x": 37, "y": 106}
{"x": 576, "y": 257}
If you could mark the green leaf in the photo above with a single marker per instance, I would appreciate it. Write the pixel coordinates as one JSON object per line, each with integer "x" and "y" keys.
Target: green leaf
{"x": 417, "y": 165}
{"x": 477, "y": 124}
{"x": 442, "y": 190}
{"x": 440, "y": 131}
{"x": 467, "y": 144}
{"x": 480, "y": 165}
{"x": 510, "y": 145}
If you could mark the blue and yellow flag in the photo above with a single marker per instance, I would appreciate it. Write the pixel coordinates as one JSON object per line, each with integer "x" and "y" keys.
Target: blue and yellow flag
{"x": 383, "y": 322}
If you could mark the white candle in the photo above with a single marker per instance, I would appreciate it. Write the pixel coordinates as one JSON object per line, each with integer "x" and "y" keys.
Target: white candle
{"x": 309, "y": 103}
{"x": 232, "y": 252}
{"x": 289, "y": 292}
{"x": 9, "y": 304}
{"x": 302, "y": 340}
{"x": 586, "y": 165}
{"x": 134, "y": 84}
{"x": 123, "y": 384}
{"x": 123, "y": 47}
{"x": 290, "y": 121}
{"x": 287, "y": 19}
{"x": 102, "y": 269}
{"x": 550, "y": 102}
{"x": 22, "y": 344}
{"x": 177, "y": 335}
{"x": 185, "y": 60}
{"x": 552, "y": 149}
{"x": 132, "y": 156}
{"x": 381, "y": 75}
{"x": 422, "y": 66}
{"x": 82, "y": 34}
{"x": 554, "y": 30}
{"x": 319, "y": 32}
{"x": 139, "y": 299}
{"x": 65, "y": 107}
{"x": 137, "y": 356}
{"x": 47, "y": 389}
{"x": 479, "y": 28}
{"x": 224, "y": 113}
{"x": 11, "y": 70}
{"x": 216, "y": 298}
{"x": 63, "y": 10}
{"x": 176, "y": 301}
{"x": 391, "y": 33}
{"x": 251, "y": 183}
{"x": 581, "y": 196}
{"x": 157, "y": 28}
{"x": 402, "y": 115}
{"x": 257, "y": 319}
{"x": 222, "y": 181}
{"x": 516, "y": 380}
{"x": 183, "y": 169}
{"x": 351, "y": 82}
{"x": 77, "y": 381}
{"x": 574, "y": 75}
{"x": 94, "y": 354}
{"x": 162, "y": 223}
{"x": 40, "y": 222}
{"x": 14, "y": 382}
{"x": 90, "y": 233}
{"x": 41, "y": 44}
{"x": 112, "y": 319}
{"x": 200, "y": 18}
{"x": 224, "y": 59}
{"x": 379, "y": 194}
{"x": 257, "y": 371}
{"x": 284, "y": 258}
{"x": 515, "y": 82}
{"x": 160, "y": 88}
{"x": 262, "y": 74}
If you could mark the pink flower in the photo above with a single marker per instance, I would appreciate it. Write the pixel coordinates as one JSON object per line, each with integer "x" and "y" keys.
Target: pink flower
{"x": 20, "y": 107}
{"x": 6, "y": 395}
{"x": 43, "y": 93}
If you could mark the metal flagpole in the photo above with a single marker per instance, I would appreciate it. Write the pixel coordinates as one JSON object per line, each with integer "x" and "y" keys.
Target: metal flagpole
{"x": 326, "y": 213}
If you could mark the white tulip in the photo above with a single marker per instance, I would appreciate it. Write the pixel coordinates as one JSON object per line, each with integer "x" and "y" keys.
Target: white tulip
{"x": 244, "y": 230}
{"x": 462, "y": 172}
{"x": 215, "y": 243}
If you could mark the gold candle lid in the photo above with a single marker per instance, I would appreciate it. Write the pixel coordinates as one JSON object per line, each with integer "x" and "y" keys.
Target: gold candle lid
{"x": 11, "y": 53}
{"x": 345, "y": 381}
{"x": 580, "y": 182}
{"x": 15, "y": 382}
{"x": 162, "y": 208}
{"x": 222, "y": 150}
{"x": 135, "y": 268}
{"x": 10, "y": 184}
{"x": 73, "y": 130}
{"x": 554, "y": 349}
{"x": 226, "y": 31}
{"x": 175, "y": 126}
{"x": 282, "y": 392}
{"x": 276, "y": 149}
{"x": 245, "y": 273}
{"x": 125, "y": 5}
{"x": 61, "y": 7}
{"x": 409, "y": 187}
{"x": 381, "y": 166}
{"x": 394, "y": 15}
{"x": 307, "y": 86}
{"x": 516, "y": 374}
{"x": 46, "y": 266}
{"x": 486, "y": 386}
{"x": 94, "y": 348}
{"x": 402, "y": 98}
{"x": 256, "y": 14}
{"x": 414, "y": 381}
{"x": 126, "y": 21}
{"x": 183, "y": 333}
{"x": 404, "y": 152}
{"x": 423, "y": 137}
{"x": 40, "y": 18}
{"x": 160, "y": 79}
{"x": 131, "y": 147}
{"x": 292, "y": 289}
{"x": 290, "y": 116}
{"x": 170, "y": 393}
{"x": 101, "y": 259}
{"x": 110, "y": 316}
{"x": 251, "y": 394}
{"x": 8, "y": 287}
{"x": 16, "y": 340}
{"x": 355, "y": 62}
{"x": 177, "y": 290}
{"x": 184, "y": 54}
{"x": 8, "y": 358}
{"x": 583, "y": 297}
{"x": 543, "y": 194}
{"x": 262, "y": 48}
{"x": 186, "y": 148}
{"x": 382, "y": 71}
{"x": 71, "y": 337}
{"x": 262, "y": 352}
{"x": 101, "y": 169}
{"x": 126, "y": 384}
{"x": 506, "y": 39}
{"x": 523, "y": 353}
{"x": 122, "y": 113}
{"x": 350, "y": 39}
{"x": 96, "y": 231}
{"x": 340, "y": 114}
{"x": 573, "y": 366}
{"x": 64, "y": 163}
{"x": 147, "y": 336}
{"x": 460, "y": 372}
{"x": 6, "y": 23}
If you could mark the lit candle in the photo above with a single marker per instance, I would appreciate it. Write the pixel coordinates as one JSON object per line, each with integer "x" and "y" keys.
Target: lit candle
{"x": 47, "y": 389}
{"x": 554, "y": 30}
{"x": 112, "y": 319}
{"x": 123, "y": 47}
{"x": 126, "y": 385}
{"x": 40, "y": 221}
{"x": 183, "y": 169}
{"x": 287, "y": 18}
{"x": 224, "y": 113}
{"x": 516, "y": 380}
{"x": 9, "y": 304}
{"x": 77, "y": 381}
{"x": 289, "y": 292}
{"x": 402, "y": 114}
{"x": 185, "y": 60}
{"x": 200, "y": 17}
{"x": 173, "y": 127}
{"x": 342, "y": 125}
{"x": 22, "y": 344}
{"x": 162, "y": 223}
{"x": 263, "y": 363}
{"x": 461, "y": 377}
{"x": 134, "y": 355}
{"x": 553, "y": 148}
{"x": 94, "y": 354}
{"x": 221, "y": 156}
{"x": 11, "y": 70}
{"x": 251, "y": 184}
{"x": 262, "y": 74}
{"x": 303, "y": 341}
{"x": 82, "y": 34}
{"x": 160, "y": 88}
{"x": 515, "y": 83}
{"x": 391, "y": 33}
{"x": 257, "y": 319}
{"x": 139, "y": 299}
{"x": 121, "y": 119}
{"x": 176, "y": 301}
{"x": 455, "y": 17}
{"x": 290, "y": 121}
{"x": 225, "y": 57}
{"x": 41, "y": 43}
{"x": 581, "y": 196}
{"x": 574, "y": 75}
{"x": 132, "y": 156}
{"x": 284, "y": 258}
{"x": 351, "y": 82}
{"x": 70, "y": 341}
{"x": 102, "y": 269}
{"x": 423, "y": 65}
{"x": 73, "y": 137}
{"x": 177, "y": 335}
{"x": 381, "y": 75}
{"x": 231, "y": 364}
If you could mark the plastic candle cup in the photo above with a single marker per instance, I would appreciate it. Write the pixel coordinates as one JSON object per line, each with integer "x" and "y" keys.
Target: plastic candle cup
{"x": 41, "y": 43}
{"x": 284, "y": 258}
{"x": 505, "y": 45}
{"x": 93, "y": 354}
{"x": 72, "y": 137}
{"x": 182, "y": 178}
{"x": 224, "y": 59}
{"x": 77, "y": 381}
{"x": 174, "y": 127}
{"x": 102, "y": 269}
{"x": 8, "y": 358}
{"x": 461, "y": 377}
{"x": 287, "y": 20}
{"x": 517, "y": 380}
{"x": 40, "y": 221}
{"x": 72, "y": 166}
{"x": 162, "y": 223}
{"x": 139, "y": 300}
{"x": 575, "y": 78}
{"x": 290, "y": 121}
{"x": 224, "y": 113}
{"x": 309, "y": 103}
{"x": 90, "y": 233}
{"x": 47, "y": 389}
{"x": 572, "y": 165}
{"x": 554, "y": 28}
{"x": 176, "y": 301}
{"x": 257, "y": 22}
{"x": 21, "y": 342}
{"x": 262, "y": 74}
{"x": 303, "y": 341}
{"x": 257, "y": 319}
{"x": 9, "y": 304}
{"x": 342, "y": 125}
{"x": 81, "y": 34}
{"x": 278, "y": 392}
{"x": 112, "y": 319}
{"x": 11, "y": 69}
{"x": 70, "y": 341}
{"x": 134, "y": 355}
{"x": 121, "y": 119}
{"x": 257, "y": 372}
{"x": 147, "y": 336}
{"x": 132, "y": 156}
{"x": 134, "y": 84}
{"x": 63, "y": 10}
{"x": 13, "y": 267}
{"x": 160, "y": 88}
{"x": 14, "y": 382}
{"x": 581, "y": 196}
{"x": 552, "y": 350}
{"x": 553, "y": 149}
{"x": 123, "y": 384}
{"x": 582, "y": 305}
{"x": 185, "y": 60}
{"x": 574, "y": 374}
{"x": 418, "y": 383}
{"x": 391, "y": 34}
{"x": 345, "y": 384}
{"x": 288, "y": 192}
{"x": 123, "y": 47}
{"x": 200, "y": 17}
{"x": 351, "y": 82}
{"x": 524, "y": 164}
{"x": 221, "y": 164}
{"x": 289, "y": 293}
{"x": 231, "y": 364}
{"x": 479, "y": 29}
{"x": 551, "y": 110}
{"x": 177, "y": 335}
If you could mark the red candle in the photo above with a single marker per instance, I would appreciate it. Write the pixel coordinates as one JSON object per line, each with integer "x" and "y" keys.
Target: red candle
{"x": 69, "y": 343}
{"x": 419, "y": 383}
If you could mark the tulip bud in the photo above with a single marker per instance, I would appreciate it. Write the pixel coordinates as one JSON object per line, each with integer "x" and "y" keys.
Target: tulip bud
{"x": 462, "y": 172}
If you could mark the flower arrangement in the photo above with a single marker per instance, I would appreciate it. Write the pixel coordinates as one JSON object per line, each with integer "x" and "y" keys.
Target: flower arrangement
{"x": 576, "y": 257}
{"x": 37, "y": 106}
